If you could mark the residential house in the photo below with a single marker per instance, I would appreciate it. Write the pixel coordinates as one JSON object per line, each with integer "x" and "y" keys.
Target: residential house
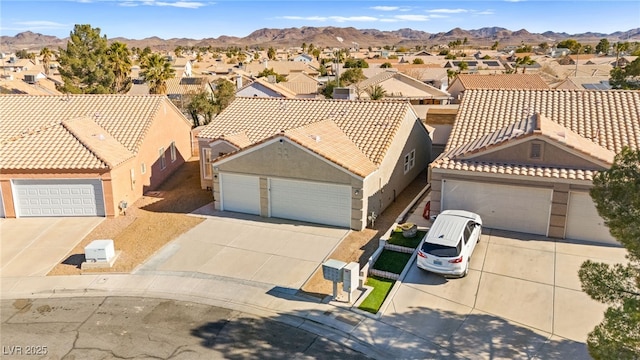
{"x": 179, "y": 89}
{"x": 86, "y": 155}
{"x": 464, "y": 82}
{"x": 332, "y": 162}
{"x": 400, "y": 86}
{"x": 303, "y": 86}
{"x": 306, "y": 58}
{"x": 182, "y": 66}
{"x": 585, "y": 82}
{"x": 525, "y": 159}
{"x": 263, "y": 87}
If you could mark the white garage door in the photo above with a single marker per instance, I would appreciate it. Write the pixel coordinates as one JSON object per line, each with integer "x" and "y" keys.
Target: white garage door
{"x": 240, "y": 193}
{"x": 583, "y": 221}
{"x": 514, "y": 208}
{"x": 55, "y": 197}
{"x": 311, "y": 201}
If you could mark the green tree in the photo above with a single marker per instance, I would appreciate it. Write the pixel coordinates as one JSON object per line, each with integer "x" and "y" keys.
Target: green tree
{"x": 327, "y": 90}
{"x": 385, "y": 65}
{"x": 616, "y": 193}
{"x": 544, "y": 46}
{"x": 495, "y": 45}
{"x": 316, "y": 53}
{"x": 178, "y": 51}
{"x": 270, "y": 71}
{"x": 524, "y": 62}
{"x": 352, "y": 76}
{"x": 156, "y": 70}
{"x": 84, "y": 65}
{"x": 47, "y": 55}
{"x": 620, "y": 47}
{"x": 451, "y": 74}
{"x": 418, "y": 61}
{"x": 304, "y": 47}
{"x": 202, "y": 107}
{"x": 224, "y": 94}
{"x": 120, "y": 60}
{"x": 463, "y": 66}
{"x": 376, "y": 92}
{"x": 627, "y": 78}
{"x": 356, "y": 63}
{"x": 570, "y": 44}
{"x": 271, "y": 53}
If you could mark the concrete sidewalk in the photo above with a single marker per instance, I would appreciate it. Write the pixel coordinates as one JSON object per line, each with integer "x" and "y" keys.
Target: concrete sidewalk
{"x": 371, "y": 337}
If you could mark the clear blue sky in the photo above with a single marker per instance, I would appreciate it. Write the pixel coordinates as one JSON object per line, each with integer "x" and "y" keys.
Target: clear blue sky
{"x": 198, "y": 19}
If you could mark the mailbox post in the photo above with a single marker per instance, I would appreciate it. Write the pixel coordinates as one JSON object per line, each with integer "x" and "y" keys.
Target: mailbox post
{"x": 332, "y": 271}
{"x": 351, "y": 277}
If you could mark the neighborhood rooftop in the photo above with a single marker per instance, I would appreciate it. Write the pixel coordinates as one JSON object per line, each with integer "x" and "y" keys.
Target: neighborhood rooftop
{"x": 598, "y": 124}
{"x": 75, "y": 131}
{"x": 369, "y": 125}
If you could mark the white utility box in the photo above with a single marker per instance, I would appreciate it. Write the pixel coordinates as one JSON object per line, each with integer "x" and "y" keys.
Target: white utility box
{"x": 351, "y": 275}
{"x": 99, "y": 251}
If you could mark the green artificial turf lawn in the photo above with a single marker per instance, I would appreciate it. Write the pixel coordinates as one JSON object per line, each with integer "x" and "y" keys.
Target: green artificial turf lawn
{"x": 396, "y": 238}
{"x": 392, "y": 261}
{"x": 381, "y": 288}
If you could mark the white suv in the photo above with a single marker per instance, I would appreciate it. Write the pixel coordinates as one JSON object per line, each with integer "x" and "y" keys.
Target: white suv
{"x": 447, "y": 247}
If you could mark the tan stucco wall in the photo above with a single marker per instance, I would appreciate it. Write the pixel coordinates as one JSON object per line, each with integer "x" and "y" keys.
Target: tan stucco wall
{"x": 289, "y": 161}
{"x": 169, "y": 125}
{"x": 216, "y": 147}
{"x": 382, "y": 187}
{"x": 551, "y": 156}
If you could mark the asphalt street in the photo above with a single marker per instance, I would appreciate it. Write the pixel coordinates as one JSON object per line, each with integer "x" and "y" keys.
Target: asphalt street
{"x": 148, "y": 328}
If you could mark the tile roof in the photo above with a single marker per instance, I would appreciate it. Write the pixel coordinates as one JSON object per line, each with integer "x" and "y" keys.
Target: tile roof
{"x": 596, "y": 123}
{"x": 186, "y": 85}
{"x": 275, "y": 87}
{"x": 369, "y": 126}
{"x": 502, "y": 81}
{"x": 399, "y": 85}
{"x": 56, "y": 132}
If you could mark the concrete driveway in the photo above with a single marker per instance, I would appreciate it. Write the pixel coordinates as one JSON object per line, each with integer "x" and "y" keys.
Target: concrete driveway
{"x": 521, "y": 299}
{"x": 245, "y": 247}
{"x": 33, "y": 246}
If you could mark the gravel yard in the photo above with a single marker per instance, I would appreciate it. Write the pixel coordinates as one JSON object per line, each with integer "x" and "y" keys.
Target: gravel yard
{"x": 149, "y": 223}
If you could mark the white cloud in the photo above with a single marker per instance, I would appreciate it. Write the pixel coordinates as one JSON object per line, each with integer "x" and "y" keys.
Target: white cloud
{"x": 413, "y": 17}
{"x": 385, "y": 8}
{"x": 34, "y": 25}
{"x": 485, "y": 12}
{"x": 339, "y": 19}
{"x": 448, "y": 11}
{"x": 178, "y": 4}
{"x": 514, "y": 1}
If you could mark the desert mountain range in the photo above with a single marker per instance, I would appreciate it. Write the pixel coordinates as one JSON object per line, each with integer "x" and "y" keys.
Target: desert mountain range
{"x": 327, "y": 36}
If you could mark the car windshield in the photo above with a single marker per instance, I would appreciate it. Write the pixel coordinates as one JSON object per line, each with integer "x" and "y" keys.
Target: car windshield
{"x": 441, "y": 250}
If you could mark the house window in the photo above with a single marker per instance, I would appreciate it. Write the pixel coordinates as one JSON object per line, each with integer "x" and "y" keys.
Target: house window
{"x": 163, "y": 158}
{"x": 409, "y": 161}
{"x": 206, "y": 163}
{"x": 536, "y": 150}
{"x": 173, "y": 151}
{"x": 143, "y": 168}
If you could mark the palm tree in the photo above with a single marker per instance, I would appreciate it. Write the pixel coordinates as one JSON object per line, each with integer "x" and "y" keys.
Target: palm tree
{"x": 463, "y": 66}
{"x": 156, "y": 70}
{"x": 46, "y": 54}
{"x": 120, "y": 60}
{"x": 524, "y": 62}
{"x": 376, "y": 92}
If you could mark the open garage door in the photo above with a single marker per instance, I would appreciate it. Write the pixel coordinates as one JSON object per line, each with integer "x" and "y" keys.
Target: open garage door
{"x": 506, "y": 207}
{"x": 583, "y": 221}
{"x": 314, "y": 202}
{"x": 240, "y": 193}
{"x": 58, "y": 197}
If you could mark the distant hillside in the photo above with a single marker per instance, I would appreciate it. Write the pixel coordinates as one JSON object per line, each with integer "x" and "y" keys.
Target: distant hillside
{"x": 328, "y": 36}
